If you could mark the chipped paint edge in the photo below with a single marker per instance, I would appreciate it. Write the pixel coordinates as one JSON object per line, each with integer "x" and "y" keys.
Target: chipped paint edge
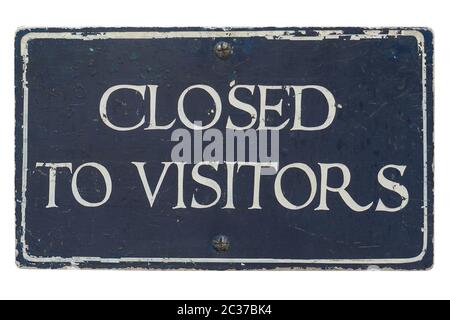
{"x": 293, "y": 35}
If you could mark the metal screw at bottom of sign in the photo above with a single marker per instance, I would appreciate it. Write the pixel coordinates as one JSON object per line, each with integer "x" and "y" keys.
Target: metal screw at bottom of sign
{"x": 223, "y": 50}
{"x": 221, "y": 243}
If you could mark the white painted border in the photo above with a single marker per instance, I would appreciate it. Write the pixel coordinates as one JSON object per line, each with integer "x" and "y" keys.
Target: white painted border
{"x": 271, "y": 35}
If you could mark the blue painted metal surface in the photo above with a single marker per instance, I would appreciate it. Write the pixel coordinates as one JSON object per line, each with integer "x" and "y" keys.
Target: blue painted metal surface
{"x": 382, "y": 85}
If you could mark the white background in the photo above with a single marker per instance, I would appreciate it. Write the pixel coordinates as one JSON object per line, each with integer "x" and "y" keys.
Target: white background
{"x": 15, "y": 283}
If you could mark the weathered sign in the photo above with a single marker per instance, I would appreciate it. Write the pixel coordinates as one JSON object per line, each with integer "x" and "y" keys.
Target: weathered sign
{"x": 224, "y": 148}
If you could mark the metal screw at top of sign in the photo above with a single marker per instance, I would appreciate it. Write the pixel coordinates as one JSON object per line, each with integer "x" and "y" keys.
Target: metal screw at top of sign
{"x": 223, "y": 50}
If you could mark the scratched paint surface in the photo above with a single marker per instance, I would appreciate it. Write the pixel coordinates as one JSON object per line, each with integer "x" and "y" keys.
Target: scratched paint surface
{"x": 378, "y": 83}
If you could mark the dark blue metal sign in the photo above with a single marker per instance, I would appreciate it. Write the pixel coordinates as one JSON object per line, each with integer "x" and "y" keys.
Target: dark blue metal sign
{"x": 224, "y": 149}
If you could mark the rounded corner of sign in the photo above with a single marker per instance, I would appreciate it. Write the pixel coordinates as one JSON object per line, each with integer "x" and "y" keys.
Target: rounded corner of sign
{"x": 24, "y": 260}
{"x": 420, "y": 34}
{"x": 23, "y": 33}
{"x": 420, "y": 258}
{"x": 425, "y": 32}
{"x": 24, "y": 36}
{"x": 429, "y": 266}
